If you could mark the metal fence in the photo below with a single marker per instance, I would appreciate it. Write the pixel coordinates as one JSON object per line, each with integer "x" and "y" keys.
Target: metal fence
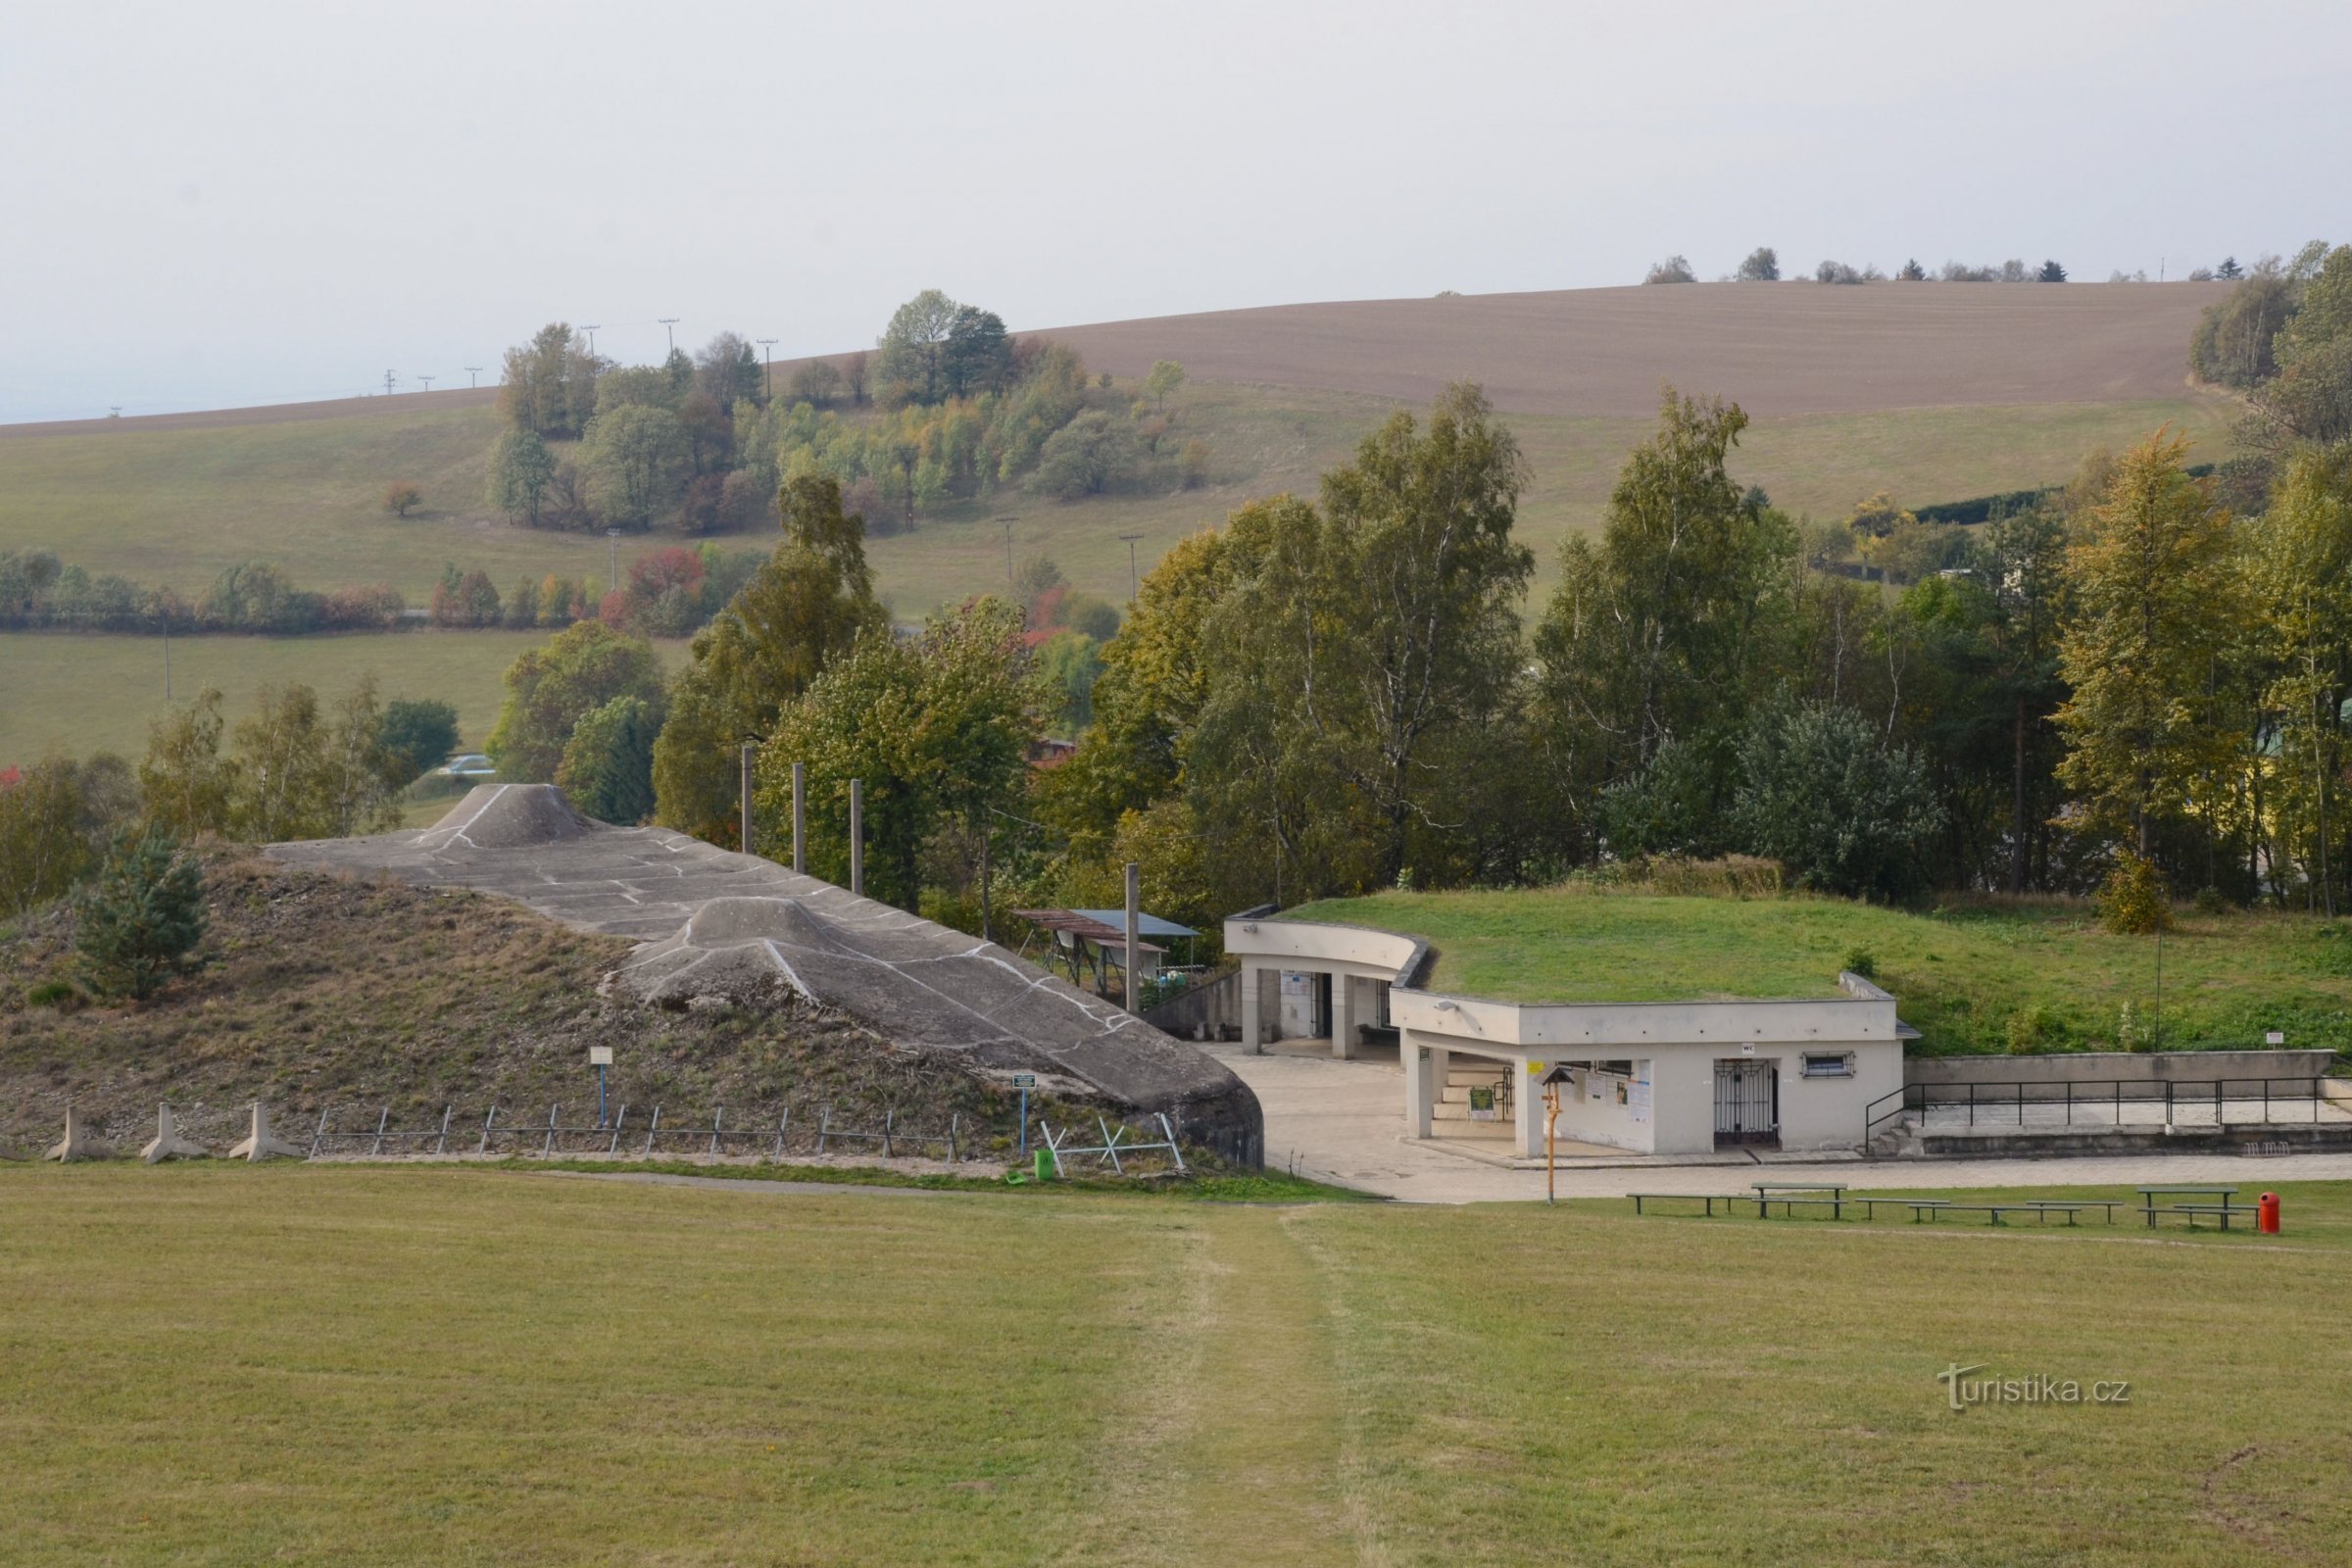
{"x": 2112, "y": 1102}
{"x": 635, "y": 1134}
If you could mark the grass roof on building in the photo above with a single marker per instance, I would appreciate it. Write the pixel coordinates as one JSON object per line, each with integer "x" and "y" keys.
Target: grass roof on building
{"x": 1971, "y": 976}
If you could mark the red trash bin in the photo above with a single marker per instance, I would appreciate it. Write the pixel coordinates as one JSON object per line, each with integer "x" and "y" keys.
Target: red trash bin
{"x": 2265, "y": 1214}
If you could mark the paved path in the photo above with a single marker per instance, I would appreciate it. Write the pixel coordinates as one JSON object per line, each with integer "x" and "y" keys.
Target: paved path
{"x": 1342, "y": 1121}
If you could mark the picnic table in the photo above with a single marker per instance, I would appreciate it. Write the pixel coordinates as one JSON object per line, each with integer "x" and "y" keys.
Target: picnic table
{"x": 2222, "y": 1207}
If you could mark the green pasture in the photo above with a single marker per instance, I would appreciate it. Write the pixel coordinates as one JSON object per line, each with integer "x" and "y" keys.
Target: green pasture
{"x": 177, "y": 506}
{"x": 74, "y": 693}
{"x": 358, "y": 1365}
{"x": 1961, "y": 973}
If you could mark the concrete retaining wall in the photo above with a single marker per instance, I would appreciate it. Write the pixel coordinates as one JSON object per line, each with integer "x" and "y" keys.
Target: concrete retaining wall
{"x": 2105, "y": 1066}
{"x": 1208, "y": 1011}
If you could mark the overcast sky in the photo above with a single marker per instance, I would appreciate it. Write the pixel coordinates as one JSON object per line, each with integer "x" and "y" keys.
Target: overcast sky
{"x": 230, "y": 202}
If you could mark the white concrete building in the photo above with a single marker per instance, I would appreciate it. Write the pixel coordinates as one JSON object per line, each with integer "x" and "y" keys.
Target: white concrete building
{"x": 1666, "y": 1078}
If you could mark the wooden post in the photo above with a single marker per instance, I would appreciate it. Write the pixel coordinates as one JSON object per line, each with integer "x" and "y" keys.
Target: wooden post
{"x": 986, "y": 820}
{"x": 857, "y": 837}
{"x": 1134, "y": 915}
{"x": 800, "y": 817}
{"x": 746, "y": 800}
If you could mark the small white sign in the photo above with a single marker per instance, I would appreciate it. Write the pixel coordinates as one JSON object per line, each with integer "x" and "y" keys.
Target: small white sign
{"x": 1749, "y": 1050}
{"x": 600, "y": 1056}
{"x": 2277, "y": 1037}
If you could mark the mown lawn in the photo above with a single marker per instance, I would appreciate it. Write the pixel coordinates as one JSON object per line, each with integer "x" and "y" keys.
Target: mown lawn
{"x": 1960, "y": 974}
{"x": 210, "y": 1365}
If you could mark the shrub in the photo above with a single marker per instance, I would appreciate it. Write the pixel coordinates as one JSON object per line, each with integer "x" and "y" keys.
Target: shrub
{"x": 2211, "y": 901}
{"x": 1191, "y": 464}
{"x": 2031, "y": 1029}
{"x": 1673, "y": 270}
{"x": 1861, "y": 961}
{"x": 2132, "y": 900}
{"x": 139, "y": 923}
{"x": 63, "y": 994}
{"x": 1729, "y": 876}
{"x": 1821, "y": 794}
{"x": 2130, "y": 1033}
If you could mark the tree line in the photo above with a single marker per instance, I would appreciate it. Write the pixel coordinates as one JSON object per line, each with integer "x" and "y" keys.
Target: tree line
{"x": 2283, "y": 338}
{"x": 292, "y": 768}
{"x": 1763, "y": 265}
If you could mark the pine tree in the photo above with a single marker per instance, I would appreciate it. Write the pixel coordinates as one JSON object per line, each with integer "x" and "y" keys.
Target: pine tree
{"x": 140, "y": 920}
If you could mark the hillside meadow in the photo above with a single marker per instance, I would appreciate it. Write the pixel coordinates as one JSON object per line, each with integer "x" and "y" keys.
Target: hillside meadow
{"x": 76, "y": 693}
{"x": 176, "y": 504}
{"x": 226, "y": 1365}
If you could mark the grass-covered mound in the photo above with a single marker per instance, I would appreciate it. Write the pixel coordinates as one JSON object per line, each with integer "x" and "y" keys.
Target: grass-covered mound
{"x": 1973, "y": 976}
{"x": 324, "y": 990}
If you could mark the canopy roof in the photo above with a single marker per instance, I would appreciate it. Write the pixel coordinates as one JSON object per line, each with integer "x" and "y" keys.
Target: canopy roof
{"x": 1103, "y": 925}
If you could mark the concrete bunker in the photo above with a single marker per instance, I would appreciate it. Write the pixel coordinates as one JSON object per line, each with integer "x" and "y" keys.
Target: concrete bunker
{"x": 1642, "y": 1078}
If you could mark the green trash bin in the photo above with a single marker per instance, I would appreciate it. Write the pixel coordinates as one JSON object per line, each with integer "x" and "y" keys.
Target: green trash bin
{"x": 1045, "y": 1164}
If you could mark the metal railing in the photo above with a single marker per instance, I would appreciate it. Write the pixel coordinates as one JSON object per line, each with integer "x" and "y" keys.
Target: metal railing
{"x": 2104, "y": 1102}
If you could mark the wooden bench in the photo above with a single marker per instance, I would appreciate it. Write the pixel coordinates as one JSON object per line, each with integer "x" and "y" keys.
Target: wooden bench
{"x": 1727, "y": 1200}
{"x": 1993, "y": 1211}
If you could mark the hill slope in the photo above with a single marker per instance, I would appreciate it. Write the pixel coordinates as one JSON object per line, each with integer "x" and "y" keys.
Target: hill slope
{"x": 1933, "y": 392}
{"x": 1778, "y": 349}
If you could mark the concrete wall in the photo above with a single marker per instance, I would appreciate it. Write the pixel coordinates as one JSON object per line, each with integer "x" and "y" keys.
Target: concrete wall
{"x": 1590, "y": 1113}
{"x": 1213, "y": 1006}
{"x": 2102, "y": 1067}
{"x": 1829, "y": 1112}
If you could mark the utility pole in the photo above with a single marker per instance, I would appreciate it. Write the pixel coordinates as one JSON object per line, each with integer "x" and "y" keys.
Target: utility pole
{"x": 1131, "y": 538}
{"x": 1134, "y": 995}
{"x": 613, "y": 564}
{"x": 800, "y": 817}
{"x": 428, "y": 381}
{"x": 1008, "y": 549}
{"x": 857, "y": 837}
{"x": 669, "y": 325}
{"x": 747, "y": 749}
{"x": 591, "y": 331}
{"x": 387, "y": 383}
{"x": 988, "y": 824}
{"x": 114, "y": 410}
{"x": 767, "y": 349}
{"x": 474, "y": 374}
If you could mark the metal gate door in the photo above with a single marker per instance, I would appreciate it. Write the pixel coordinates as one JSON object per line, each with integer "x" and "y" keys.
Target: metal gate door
{"x": 1747, "y": 1104}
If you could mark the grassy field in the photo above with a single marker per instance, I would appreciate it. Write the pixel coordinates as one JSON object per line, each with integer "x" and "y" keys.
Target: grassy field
{"x": 177, "y": 504}
{"x": 76, "y": 694}
{"x": 354, "y": 1365}
{"x": 1960, "y": 973}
